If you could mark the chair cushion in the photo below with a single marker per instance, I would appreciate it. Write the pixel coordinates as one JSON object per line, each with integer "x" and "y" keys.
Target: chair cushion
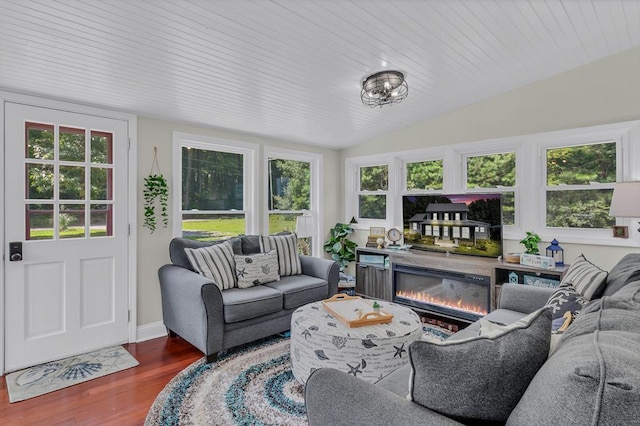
{"x": 287, "y": 248}
{"x": 586, "y": 278}
{"x": 480, "y": 379}
{"x": 299, "y": 290}
{"x": 256, "y": 269}
{"x": 245, "y": 303}
{"x": 215, "y": 262}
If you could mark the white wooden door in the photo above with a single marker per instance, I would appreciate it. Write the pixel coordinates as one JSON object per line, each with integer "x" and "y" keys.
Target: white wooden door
{"x": 66, "y": 202}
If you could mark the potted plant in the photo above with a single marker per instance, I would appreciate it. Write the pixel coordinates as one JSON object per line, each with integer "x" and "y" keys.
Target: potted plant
{"x": 341, "y": 248}
{"x": 530, "y": 243}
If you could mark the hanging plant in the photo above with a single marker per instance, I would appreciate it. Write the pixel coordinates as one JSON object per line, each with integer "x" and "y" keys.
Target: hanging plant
{"x": 156, "y": 192}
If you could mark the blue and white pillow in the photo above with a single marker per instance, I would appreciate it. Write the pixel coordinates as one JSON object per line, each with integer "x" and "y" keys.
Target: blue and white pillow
{"x": 214, "y": 262}
{"x": 287, "y": 248}
{"x": 256, "y": 269}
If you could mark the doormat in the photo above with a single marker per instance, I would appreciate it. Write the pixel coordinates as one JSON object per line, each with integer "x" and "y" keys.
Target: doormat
{"x": 51, "y": 376}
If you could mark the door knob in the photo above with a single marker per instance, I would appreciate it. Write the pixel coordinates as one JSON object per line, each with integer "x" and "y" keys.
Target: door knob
{"x": 15, "y": 251}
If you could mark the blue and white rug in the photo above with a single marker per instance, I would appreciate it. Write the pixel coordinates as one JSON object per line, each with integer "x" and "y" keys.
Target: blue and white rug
{"x": 248, "y": 385}
{"x": 51, "y": 376}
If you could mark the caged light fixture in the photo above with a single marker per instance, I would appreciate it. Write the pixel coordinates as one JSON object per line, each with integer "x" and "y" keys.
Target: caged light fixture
{"x": 384, "y": 88}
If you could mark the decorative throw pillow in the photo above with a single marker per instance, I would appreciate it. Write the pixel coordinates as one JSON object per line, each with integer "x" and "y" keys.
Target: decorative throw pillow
{"x": 587, "y": 279}
{"x": 287, "y": 249}
{"x": 482, "y": 378}
{"x": 214, "y": 262}
{"x": 255, "y": 269}
{"x": 565, "y": 304}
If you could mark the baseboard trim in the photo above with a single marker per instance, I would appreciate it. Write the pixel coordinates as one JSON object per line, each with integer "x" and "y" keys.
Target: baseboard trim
{"x": 151, "y": 331}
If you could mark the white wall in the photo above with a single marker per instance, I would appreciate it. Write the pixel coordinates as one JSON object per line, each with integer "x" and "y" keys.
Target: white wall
{"x": 153, "y": 249}
{"x": 606, "y": 91}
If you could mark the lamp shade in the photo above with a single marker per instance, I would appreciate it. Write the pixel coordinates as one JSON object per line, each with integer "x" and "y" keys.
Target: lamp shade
{"x": 304, "y": 225}
{"x": 626, "y": 200}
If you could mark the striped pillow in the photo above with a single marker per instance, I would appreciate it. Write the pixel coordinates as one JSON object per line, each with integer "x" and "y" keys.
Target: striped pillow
{"x": 215, "y": 262}
{"x": 287, "y": 248}
{"x": 587, "y": 279}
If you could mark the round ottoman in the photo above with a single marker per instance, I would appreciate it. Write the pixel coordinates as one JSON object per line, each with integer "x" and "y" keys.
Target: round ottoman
{"x": 369, "y": 352}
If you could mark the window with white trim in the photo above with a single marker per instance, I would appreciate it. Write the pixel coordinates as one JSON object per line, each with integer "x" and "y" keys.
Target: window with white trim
{"x": 293, "y": 190}
{"x": 579, "y": 185}
{"x": 423, "y": 175}
{"x": 373, "y": 182}
{"x": 212, "y": 188}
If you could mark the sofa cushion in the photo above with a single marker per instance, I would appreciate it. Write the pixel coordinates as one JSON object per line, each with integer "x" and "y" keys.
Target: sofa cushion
{"x": 593, "y": 378}
{"x": 287, "y": 248}
{"x": 249, "y": 244}
{"x": 255, "y": 269}
{"x": 245, "y": 303}
{"x": 487, "y": 385}
{"x": 626, "y": 270}
{"x": 299, "y": 290}
{"x": 215, "y": 262}
{"x": 586, "y": 278}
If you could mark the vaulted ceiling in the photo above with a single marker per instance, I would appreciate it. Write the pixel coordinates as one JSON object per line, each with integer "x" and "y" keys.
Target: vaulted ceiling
{"x": 291, "y": 69}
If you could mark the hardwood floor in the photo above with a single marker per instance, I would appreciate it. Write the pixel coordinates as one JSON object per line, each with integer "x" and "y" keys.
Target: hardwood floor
{"x": 121, "y": 398}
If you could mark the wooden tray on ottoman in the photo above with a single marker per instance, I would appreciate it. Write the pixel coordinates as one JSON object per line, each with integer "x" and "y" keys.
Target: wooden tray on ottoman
{"x": 354, "y": 311}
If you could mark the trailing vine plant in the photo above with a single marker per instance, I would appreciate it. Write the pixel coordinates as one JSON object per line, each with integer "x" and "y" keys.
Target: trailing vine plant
{"x": 156, "y": 192}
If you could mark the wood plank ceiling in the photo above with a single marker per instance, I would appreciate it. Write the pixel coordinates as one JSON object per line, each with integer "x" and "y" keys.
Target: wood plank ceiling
{"x": 291, "y": 69}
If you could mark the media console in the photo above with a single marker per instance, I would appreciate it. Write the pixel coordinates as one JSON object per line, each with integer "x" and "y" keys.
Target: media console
{"x": 463, "y": 288}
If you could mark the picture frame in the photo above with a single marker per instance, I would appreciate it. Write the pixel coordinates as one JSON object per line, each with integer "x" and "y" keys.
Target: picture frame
{"x": 620, "y": 232}
{"x": 377, "y": 231}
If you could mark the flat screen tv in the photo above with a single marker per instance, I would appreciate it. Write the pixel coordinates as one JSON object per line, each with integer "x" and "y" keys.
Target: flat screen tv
{"x": 459, "y": 223}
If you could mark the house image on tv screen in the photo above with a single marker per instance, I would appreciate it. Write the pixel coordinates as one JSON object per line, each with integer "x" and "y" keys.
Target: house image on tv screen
{"x": 448, "y": 224}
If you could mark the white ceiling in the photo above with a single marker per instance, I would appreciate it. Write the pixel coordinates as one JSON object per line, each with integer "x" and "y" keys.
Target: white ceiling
{"x": 291, "y": 69}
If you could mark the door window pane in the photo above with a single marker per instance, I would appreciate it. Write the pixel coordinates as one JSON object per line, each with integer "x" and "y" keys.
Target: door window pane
{"x": 101, "y": 147}
{"x": 212, "y": 180}
{"x": 39, "y": 221}
{"x": 71, "y": 221}
{"x": 71, "y": 144}
{"x": 101, "y": 220}
{"x": 39, "y": 181}
{"x": 424, "y": 175}
{"x": 71, "y": 183}
{"x": 101, "y": 183}
{"x": 39, "y": 141}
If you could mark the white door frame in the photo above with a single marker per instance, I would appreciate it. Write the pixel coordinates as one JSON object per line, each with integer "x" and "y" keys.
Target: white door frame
{"x": 131, "y": 199}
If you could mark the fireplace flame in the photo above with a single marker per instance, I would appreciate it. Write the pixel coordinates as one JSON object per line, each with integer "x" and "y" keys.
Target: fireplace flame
{"x": 434, "y": 300}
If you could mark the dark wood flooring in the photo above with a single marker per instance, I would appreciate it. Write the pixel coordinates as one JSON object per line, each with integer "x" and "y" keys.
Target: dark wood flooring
{"x": 121, "y": 398}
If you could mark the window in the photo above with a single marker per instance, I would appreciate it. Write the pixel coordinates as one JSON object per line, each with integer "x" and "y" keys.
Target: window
{"x": 372, "y": 195}
{"x": 495, "y": 171}
{"x": 289, "y": 192}
{"x": 579, "y": 185}
{"x": 292, "y": 191}
{"x": 214, "y": 188}
{"x": 423, "y": 175}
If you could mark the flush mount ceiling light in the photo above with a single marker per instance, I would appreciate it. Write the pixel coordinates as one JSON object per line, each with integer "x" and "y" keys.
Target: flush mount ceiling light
{"x": 384, "y": 88}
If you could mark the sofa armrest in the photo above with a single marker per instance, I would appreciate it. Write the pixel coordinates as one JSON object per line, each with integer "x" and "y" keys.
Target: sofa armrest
{"x": 322, "y": 268}
{"x": 192, "y": 307}
{"x": 523, "y": 298}
{"x": 336, "y": 398}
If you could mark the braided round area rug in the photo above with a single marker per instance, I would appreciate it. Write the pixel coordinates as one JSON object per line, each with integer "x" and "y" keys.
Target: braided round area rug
{"x": 248, "y": 385}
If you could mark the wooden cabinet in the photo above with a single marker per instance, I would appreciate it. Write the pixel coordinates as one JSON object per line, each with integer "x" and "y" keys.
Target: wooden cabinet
{"x": 372, "y": 274}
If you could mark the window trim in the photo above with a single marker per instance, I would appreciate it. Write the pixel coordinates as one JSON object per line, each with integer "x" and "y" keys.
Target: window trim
{"x": 315, "y": 161}
{"x": 530, "y": 178}
{"x": 250, "y": 183}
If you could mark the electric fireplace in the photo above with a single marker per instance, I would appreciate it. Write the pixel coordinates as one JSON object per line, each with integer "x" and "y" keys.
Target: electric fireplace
{"x": 453, "y": 294}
